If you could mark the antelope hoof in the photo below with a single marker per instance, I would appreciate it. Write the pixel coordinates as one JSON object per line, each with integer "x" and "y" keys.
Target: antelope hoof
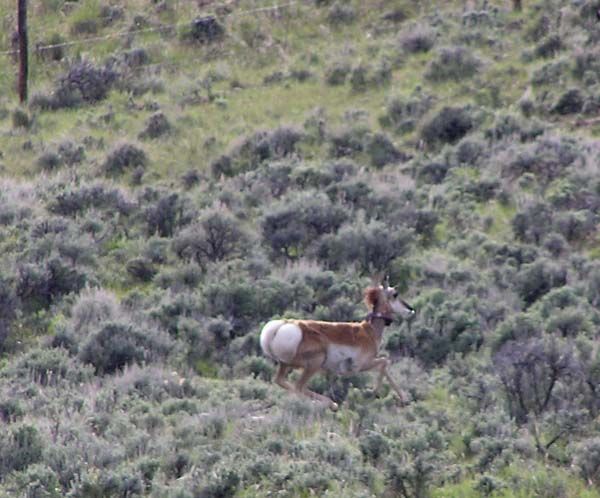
{"x": 404, "y": 399}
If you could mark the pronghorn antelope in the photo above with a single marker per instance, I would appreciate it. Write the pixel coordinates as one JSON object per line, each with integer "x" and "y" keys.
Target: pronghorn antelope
{"x": 340, "y": 348}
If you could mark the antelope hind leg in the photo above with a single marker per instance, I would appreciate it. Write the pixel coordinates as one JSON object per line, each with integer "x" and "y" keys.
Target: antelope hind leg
{"x": 310, "y": 370}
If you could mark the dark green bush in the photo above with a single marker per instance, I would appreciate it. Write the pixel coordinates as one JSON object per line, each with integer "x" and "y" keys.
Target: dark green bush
{"x": 402, "y": 114}
{"x": 216, "y": 236}
{"x": 453, "y": 63}
{"x": 369, "y": 246}
{"x": 531, "y": 372}
{"x": 449, "y": 125}
{"x": 337, "y": 72}
{"x": 8, "y": 311}
{"x": 38, "y": 481}
{"x": 382, "y": 151}
{"x": 157, "y": 125}
{"x": 340, "y": 13}
{"x": 203, "y": 30}
{"x": 536, "y": 279}
{"x": 549, "y": 47}
{"x": 50, "y": 367}
{"x": 418, "y": 39}
{"x": 124, "y": 156}
{"x": 570, "y": 102}
{"x": 116, "y": 345}
{"x": 292, "y": 225}
{"x": 40, "y": 285}
{"x": 83, "y": 83}
{"x": 21, "y": 447}
{"x": 550, "y": 73}
{"x": 166, "y": 211}
{"x": 71, "y": 201}
{"x": 348, "y": 141}
{"x": 251, "y": 151}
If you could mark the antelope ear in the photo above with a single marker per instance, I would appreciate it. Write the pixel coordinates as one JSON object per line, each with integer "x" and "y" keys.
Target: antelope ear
{"x": 372, "y": 296}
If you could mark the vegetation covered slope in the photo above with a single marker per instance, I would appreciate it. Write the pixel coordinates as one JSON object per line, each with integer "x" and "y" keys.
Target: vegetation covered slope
{"x": 185, "y": 171}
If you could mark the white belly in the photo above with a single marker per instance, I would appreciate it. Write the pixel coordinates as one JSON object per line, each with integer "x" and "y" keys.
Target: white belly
{"x": 342, "y": 359}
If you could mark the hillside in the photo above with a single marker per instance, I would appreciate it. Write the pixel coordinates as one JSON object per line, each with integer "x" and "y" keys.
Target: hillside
{"x": 185, "y": 171}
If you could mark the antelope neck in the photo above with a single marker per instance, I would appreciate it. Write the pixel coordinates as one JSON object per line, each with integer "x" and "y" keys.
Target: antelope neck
{"x": 376, "y": 314}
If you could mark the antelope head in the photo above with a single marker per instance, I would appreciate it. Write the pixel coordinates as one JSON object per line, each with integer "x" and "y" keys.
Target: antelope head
{"x": 384, "y": 301}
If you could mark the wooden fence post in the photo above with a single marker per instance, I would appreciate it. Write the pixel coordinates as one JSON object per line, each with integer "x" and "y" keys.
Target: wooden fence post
{"x": 23, "y": 52}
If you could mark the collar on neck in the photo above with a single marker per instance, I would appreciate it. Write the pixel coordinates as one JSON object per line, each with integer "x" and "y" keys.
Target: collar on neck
{"x": 371, "y": 315}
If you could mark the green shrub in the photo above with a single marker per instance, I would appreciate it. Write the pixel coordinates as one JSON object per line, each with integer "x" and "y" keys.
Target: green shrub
{"x": 48, "y": 367}
{"x": 203, "y": 30}
{"x": 340, "y": 13}
{"x": 453, "y": 63}
{"x": 369, "y": 246}
{"x": 38, "y": 481}
{"x": 337, "y": 72}
{"x": 449, "y": 125}
{"x": 419, "y": 39}
{"x": 292, "y": 225}
{"x": 124, "y": 156}
{"x": 216, "y": 236}
{"x": 382, "y": 151}
{"x": 402, "y": 114}
{"x": 21, "y": 447}
{"x": 116, "y": 345}
{"x": 157, "y": 125}
{"x": 39, "y": 286}
{"x": 570, "y": 102}
{"x": 536, "y": 279}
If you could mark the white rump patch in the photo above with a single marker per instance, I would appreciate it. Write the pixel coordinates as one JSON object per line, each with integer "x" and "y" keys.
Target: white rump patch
{"x": 279, "y": 340}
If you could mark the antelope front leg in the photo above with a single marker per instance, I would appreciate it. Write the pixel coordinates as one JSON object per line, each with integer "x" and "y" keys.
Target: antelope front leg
{"x": 381, "y": 364}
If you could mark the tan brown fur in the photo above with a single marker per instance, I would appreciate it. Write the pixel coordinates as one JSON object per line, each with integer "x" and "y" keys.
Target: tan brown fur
{"x": 339, "y": 347}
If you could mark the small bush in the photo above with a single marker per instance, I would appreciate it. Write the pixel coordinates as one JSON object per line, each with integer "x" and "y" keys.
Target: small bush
{"x": 116, "y": 345}
{"x": 203, "y": 30}
{"x": 124, "y": 156}
{"x": 141, "y": 269}
{"x": 449, "y": 125}
{"x": 549, "y": 47}
{"x": 419, "y": 39}
{"x": 340, "y": 13}
{"x": 292, "y": 225}
{"x": 453, "y": 63}
{"x": 83, "y": 83}
{"x": 382, "y": 151}
{"x": 21, "y": 447}
{"x": 403, "y": 114}
{"x": 216, "y": 236}
{"x": 70, "y": 201}
{"x": 348, "y": 141}
{"x": 21, "y": 119}
{"x": 49, "y": 367}
{"x": 156, "y": 126}
{"x": 337, "y": 72}
{"x": 551, "y": 73}
{"x": 586, "y": 459}
{"x": 257, "y": 148}
{"x": 536, "y": 279}
{"x": 370, "y": 246}
{"x": 165, "y": 213}
{"x": 570, "y": 102}
{"x": 40, "y": 285}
